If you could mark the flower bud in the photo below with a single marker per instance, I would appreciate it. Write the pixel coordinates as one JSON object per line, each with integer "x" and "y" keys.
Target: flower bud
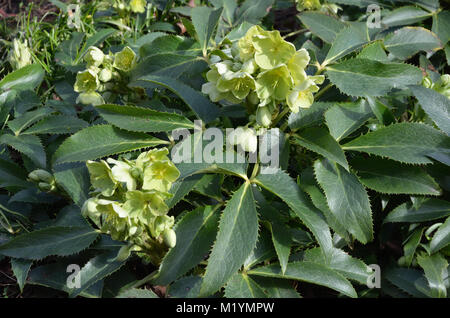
{"x": 445, "y": 79}
{"x": 90, "y": 98}
{"x": 105, "y": 75}
{"x": 253, "y": 98}
{"x": 123, "y": 253}
{"x": 33, "y": 177}
{"x": 264, "y": 116}
{"x": 426, "y": 82}
{"x": 169, "y": 238}
{"x": 43, "y": 186}
{"x": 44, "y": 175}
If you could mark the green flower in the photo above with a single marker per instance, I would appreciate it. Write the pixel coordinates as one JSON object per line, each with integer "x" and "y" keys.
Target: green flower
{"x": 245, "y": 44}
{"x": 271, "y": 49}
{"x": 102, "y": 177}
{"x": 308, "y": 5}
{"x": 160, "y": 175}
{"x": 125, "y": 60}
{"x": 143, "y": 205}
{"x": 213, "y": 76}
{"x": 297, "y": 65}
{"x": 302, "y": 95}
{"x": 214, "y": 94}
{"x": 157, "y": 154}
{"x": 111, "y": 209}
{"x": 89, "y": 210}
{"x": 138, "y": 6}
{"x": 90, "y": 98}
{"x": 238, "y": 83}
{"x": 274, "y": 83}
{"x": 87, "y": 81}
{"x": 94, "y": 56}
{"x": 161, "y": 224}
{"x": 122, "y": 173}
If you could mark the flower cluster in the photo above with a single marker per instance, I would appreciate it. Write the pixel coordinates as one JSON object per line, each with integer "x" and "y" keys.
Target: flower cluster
{"x": 20, "y": 55}
{"x": 264, "y": 70}
{"x": 101, "y": 73}
{"x": 442, "y": 85}
{"x": 128, "y": 200}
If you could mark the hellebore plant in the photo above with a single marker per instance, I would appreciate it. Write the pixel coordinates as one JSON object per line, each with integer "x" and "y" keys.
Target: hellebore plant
{"x": 128, "y": 202}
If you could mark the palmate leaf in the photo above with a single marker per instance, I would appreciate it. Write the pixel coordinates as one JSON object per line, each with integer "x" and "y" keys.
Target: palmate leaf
{"x": 405, "y": 279}
{"x": 347, "y": 199}
{"x": 142, "y": 119}
{"x": 30, "y": 146}
{"x": 20, "y": 268}
{"x": 361, "y": 77}
{"x": 307, "y": 117}
{"x": 97, "y": 269}
{"x": 54, "y": 240}
{"x": 347, "y": 40}
{"x": 195, "y": 232}
{"x": 280, "y": 184}
{"x": 12, "y": 174}
{"x": 441, "y": 238}
{"x": 27, "y": 119}
{"x": 441, "y": 25}
{"x": 322, "y": 25}
{"x": 430, "y": 209}
{"x": 436, "y": 105}
{"x": 100, "y": 141}
{"x": 277, "y": 288}
{"x": 238, "y": 227}
{"x": 343, "y": 119}
{"x": 350, "y": 267}
{"x": 404, "y": 16}
{"x": 319, "y": 140}
{"x": 309, "y": 272}
{"x": 181, "y": 188}
{"x": 74, "y": 179}
{"x": 55, "y": 276}
{"x": 408, "y": 41}
{"x": 387, "y": 176}
{"x": 137, "y": 293}
{"x": 436, "y": 272}
{"x": 168, "y": 64}
{"x": 404, "y": 142}
{"x": 309, "y": 184}
{"x": 25, "y": 78}
{"x": 205, "y": 21}
{"x": 57, "y": 124}
{"x": 242, "y": 286}
{"x": 203, "y": 108}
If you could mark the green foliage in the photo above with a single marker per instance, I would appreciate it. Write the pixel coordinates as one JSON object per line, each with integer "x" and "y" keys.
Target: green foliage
{"x": 90, "y": 169}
